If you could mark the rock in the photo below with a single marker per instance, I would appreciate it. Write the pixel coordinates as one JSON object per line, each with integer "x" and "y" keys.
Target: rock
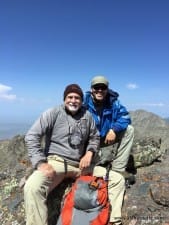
{"x": 160, "y": 191}
{"x": 147, "y": 200}
{"x": 146, "y": 151}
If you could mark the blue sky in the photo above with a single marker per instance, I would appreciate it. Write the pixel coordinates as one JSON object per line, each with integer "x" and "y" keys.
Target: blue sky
{"x": 46, "y": 45}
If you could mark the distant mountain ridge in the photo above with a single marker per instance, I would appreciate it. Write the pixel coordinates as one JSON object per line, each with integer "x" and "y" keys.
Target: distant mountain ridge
{"x": 147, "y": 124}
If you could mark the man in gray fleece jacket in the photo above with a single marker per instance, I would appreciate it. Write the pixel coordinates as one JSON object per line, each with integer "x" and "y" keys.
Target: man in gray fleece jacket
{"x": 71, "y": 141}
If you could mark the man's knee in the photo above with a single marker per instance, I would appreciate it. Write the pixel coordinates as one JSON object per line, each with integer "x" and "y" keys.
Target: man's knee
{"x": 34, "y": 184}
{"x": 116, "y": 178}
{"x": 130, "y": 130}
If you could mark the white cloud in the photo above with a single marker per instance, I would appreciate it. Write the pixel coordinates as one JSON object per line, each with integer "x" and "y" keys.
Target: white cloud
{"x": 4, "y": 93}
{"x": 132, "y": 86}
{"x": 155, "y": 104}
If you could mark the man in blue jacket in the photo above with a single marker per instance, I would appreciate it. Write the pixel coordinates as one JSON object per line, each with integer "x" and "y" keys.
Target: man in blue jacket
{"x": 116, "y": 133}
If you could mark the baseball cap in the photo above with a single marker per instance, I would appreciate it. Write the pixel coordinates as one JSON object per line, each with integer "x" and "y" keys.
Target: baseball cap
{"x": 99, "y": 80}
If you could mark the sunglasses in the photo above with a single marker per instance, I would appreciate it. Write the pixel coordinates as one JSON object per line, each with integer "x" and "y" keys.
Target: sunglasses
{"x": 99, "y": 87}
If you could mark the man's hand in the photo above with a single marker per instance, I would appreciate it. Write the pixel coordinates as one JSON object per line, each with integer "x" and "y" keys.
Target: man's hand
{"x": 110, "y": 137}
{"x": 47, "y": 170}
{"x": 86, "y": 160}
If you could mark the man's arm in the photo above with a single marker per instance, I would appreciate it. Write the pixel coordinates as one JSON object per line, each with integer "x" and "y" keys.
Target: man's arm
{"x": 93, "y": 143}
{"x": 122, "y": 120}
{"x": 33, "y": 138}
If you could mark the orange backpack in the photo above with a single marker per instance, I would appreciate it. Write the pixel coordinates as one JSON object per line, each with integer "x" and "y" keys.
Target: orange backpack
{"x": 86, "y": 203}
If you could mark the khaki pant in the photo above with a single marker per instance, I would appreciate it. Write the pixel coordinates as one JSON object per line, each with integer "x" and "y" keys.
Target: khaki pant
{"x": 38, "y": 187}
{"x": 119, "y": 152}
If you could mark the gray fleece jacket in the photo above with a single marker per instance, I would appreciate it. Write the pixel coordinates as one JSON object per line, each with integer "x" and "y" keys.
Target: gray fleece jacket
{"x": 65, "y": 135}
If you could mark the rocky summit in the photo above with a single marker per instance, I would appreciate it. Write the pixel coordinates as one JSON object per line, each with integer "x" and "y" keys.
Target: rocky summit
{"x": 146, "y": 200}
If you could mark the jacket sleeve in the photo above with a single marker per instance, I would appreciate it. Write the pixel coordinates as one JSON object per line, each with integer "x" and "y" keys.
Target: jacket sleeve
{"x": 121, "y": 118}
{"x": 94, "y": 138}
{"x": 34, "y": 137}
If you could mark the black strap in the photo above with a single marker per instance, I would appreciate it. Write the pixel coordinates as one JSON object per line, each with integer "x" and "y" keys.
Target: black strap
{"x": 65, "y": 165}
{"x": 108, "y": 168}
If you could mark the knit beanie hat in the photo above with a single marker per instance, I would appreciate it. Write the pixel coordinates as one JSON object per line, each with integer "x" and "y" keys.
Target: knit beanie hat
{"x": 73, "y": 88}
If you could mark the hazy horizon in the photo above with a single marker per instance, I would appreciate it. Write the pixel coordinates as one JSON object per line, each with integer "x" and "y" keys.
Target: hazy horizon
{"x": 9, "y": 129}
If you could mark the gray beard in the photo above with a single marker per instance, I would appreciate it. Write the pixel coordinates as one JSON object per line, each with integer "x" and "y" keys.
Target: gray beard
{"x": 72, "y": 109}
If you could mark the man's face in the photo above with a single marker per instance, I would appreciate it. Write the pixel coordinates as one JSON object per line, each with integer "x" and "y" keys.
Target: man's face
{"x": 99, "y": 92}
{"x": 73, "y": 102}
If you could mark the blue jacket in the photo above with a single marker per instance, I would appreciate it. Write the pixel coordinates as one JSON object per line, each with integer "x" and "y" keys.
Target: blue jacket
{"x": 114, "y": 115}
